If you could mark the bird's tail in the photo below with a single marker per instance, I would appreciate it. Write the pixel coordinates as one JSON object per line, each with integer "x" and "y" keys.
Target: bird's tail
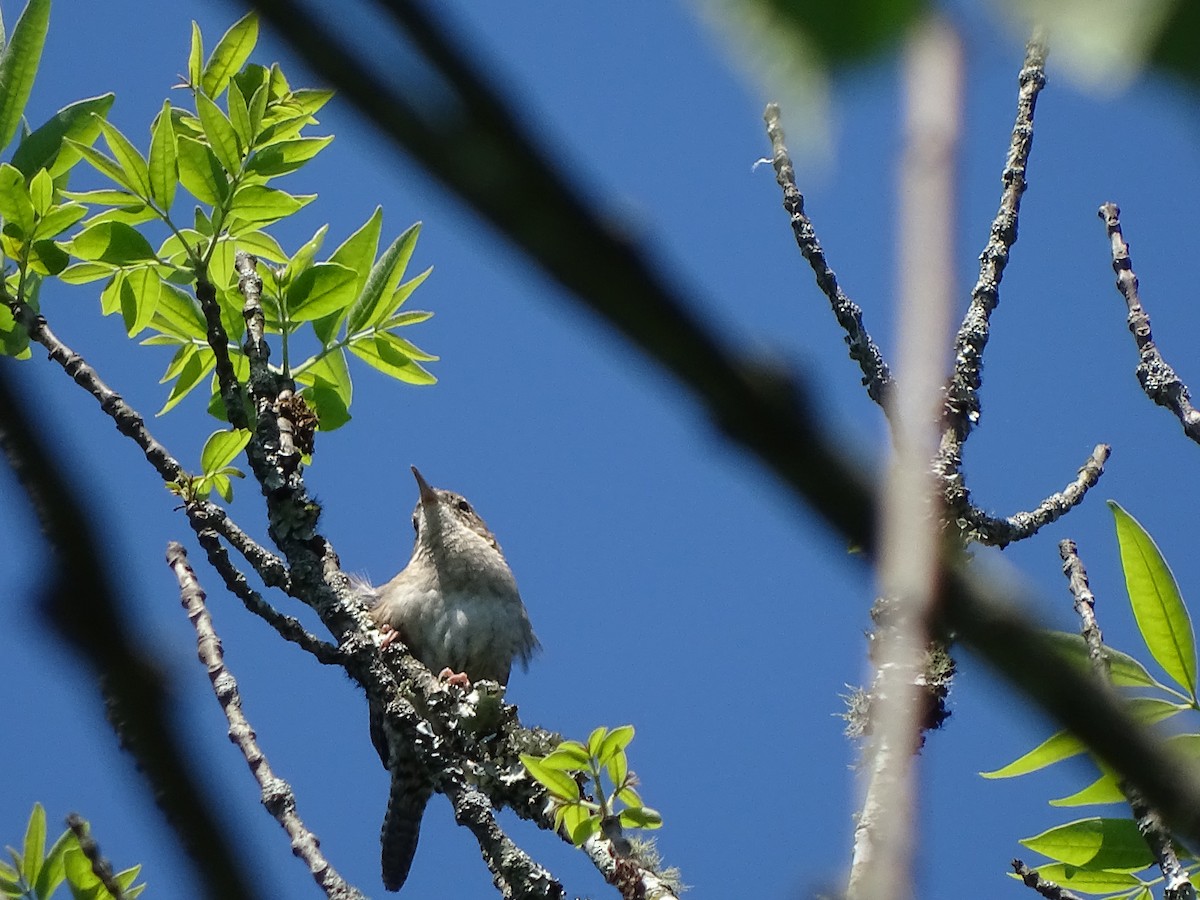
{"x": 402, "y": 825}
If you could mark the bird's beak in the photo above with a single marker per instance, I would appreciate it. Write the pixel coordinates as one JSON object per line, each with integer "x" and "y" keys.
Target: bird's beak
{"x": 427, "y": 494}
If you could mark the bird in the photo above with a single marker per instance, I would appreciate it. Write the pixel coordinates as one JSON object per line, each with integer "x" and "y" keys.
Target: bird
{"x": 457, "y": 609}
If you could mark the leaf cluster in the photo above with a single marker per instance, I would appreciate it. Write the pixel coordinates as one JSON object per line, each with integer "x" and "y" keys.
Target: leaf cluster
{"x": 1103, "y": 855}
{"x": 601, "y": 762}
{"x": 246, "y": 128}
{"x": 36, "y": 873}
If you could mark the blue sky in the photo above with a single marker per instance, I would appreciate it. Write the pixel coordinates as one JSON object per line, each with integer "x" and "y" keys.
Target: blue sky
{"x": 673, "y": 583}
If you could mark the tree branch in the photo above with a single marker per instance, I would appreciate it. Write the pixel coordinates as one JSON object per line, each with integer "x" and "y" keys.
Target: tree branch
{"x": 277, "y": 795}
{"x": 1155, "y": 375}
{"x": 863, "y": 349}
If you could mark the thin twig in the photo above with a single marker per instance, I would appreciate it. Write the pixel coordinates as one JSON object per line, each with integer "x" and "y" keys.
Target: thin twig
{"x": 286, "y": 626}
{"x": 1150, "y": 824}
{"x": 277, "y": 795}
{"x": 1001, "y": 532}
{"x": 1155, "y": 375}
{"x": 80, "y": 600}
{"x": 101, "y": 867}
{"x": 863, "y": 349}
{"x": 962, "y": 393}
{"x": 514, "y": 872}
{"x": 1047, "y": 889}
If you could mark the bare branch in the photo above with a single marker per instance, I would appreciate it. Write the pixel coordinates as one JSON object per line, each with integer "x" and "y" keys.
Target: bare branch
{"x": 101, "y": 867}
{"x": 962, "y": 399}
{"x": 1001, "y": 532}
{"x": 277, "y": 795}
{"x": 1150, "y": 824}
{"x": 863, "y": 349}
{"x": 1047, "y": 889}
{"x": 1155, "y": 375}
{"x": 80, "y": 600}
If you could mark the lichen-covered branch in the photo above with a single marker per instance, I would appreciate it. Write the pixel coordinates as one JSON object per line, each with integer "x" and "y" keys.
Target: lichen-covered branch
{"x": 277, "y": 795}
{"x": 1001, "y": 532}
{"x": 1047, "y": 889}
{"x": 962, "y": 392}
{"x": 863, "y": 349}
{"x": 1150, "y": 824}
{"x": 1154, "y": 373}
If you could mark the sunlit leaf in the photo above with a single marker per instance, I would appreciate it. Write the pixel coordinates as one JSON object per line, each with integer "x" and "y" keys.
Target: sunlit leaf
{"x": 19, "y": 64}
{"x": 200, "y": 171}
{"x": 1158, "y": 607}
{"x": 45, "y": 147}
{"x": 163, "y": 163}
{"x": 319, "y": 290}
{"x": 232, "y": 50}
{"x": 1060, "y": 746}
{"x": 1094, "y": 844}
{"x": 222, "y": 448}
{"x": 286, "y": 156}
{"x": 219, "y": 131}
{"x": 133, "y": 165}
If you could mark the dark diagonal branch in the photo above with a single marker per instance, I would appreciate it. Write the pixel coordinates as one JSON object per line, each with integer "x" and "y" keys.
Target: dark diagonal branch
{"x": 863, "y": 349}
{"x": 1155, "y": 375}
{"x": 277, "y": 795}
{"x": 101, "y": 867}
{"x": 80, "y": 599}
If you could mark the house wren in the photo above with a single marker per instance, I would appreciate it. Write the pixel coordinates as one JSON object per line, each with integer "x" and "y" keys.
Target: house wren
{"x": 457, "y": 609}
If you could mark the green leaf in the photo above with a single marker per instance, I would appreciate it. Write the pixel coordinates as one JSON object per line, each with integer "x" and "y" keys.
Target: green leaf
{"x": 221, "y": 136}
{"x": 200, "y": 172}
{"x": 196, "y": 57}
{"x": 331, "y": 410}
{"x": 35, "y": 844}
{"x": 47, "y": 258}
{"x": 179, "y": 315}
{"x": 640, "y": 817}
{"x": 330, "y": 369}
{"x": 164, "y": 161}
{"x": 85, "y": 272}
{"x": 1125, "y": 670}
{"x": 254, "y": 204}
{"x": 578, "y": 823}
{"x": 261, "y": 245}
{"x": 617, "y": 767}
{"x": 222, "y": 448}
{"x": 318, "y": 291}
{"x": 1094, "y": 844}
{"x": 569, "y": 756}
{"x": 41, "y": 192}
{"x": 53, "y": 871}
{"x": 595, "y": 739}
{"x": 140, "y": 289}
{"x": 1057, "y": 747}
{"x": 15, "y": 205}
{"x": 614, "y": 742}
{"x": 558, "y": 783}
{"x": 58, "y": 220}
{"x": 286, "y": 156}
{"x": 409, "y": 349}
{"x": 102, "y": 163}
{"x": 309, "y": 100}
{"x": 19, "y": 64}
{"x": 231, "y": 52}
{"x": 1080, "y": 880}
{"x": 111, "y": 242}
{"x": 374, "y": 303}
{"x": 46, "y": 148}
{"x": 1104, "y": 789}
{"x": 133, "y": 165}
{"x": 378, "y": 353}
{"x": 106, "y": 196}
{"x": 1157, "y": 605}
{"x": 629, "y": 796}
{"x": 239, "y": 117}
{"x": 198, "y": 364}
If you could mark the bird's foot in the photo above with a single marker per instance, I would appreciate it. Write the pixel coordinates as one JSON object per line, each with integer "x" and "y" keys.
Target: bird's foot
{"x": 390, "y": 636}
{"x": 459, "y": 678}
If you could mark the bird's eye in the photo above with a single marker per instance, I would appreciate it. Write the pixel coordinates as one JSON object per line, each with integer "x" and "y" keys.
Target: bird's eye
{"x": 416, "y": 525}
{"x": 463, "y": 505}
